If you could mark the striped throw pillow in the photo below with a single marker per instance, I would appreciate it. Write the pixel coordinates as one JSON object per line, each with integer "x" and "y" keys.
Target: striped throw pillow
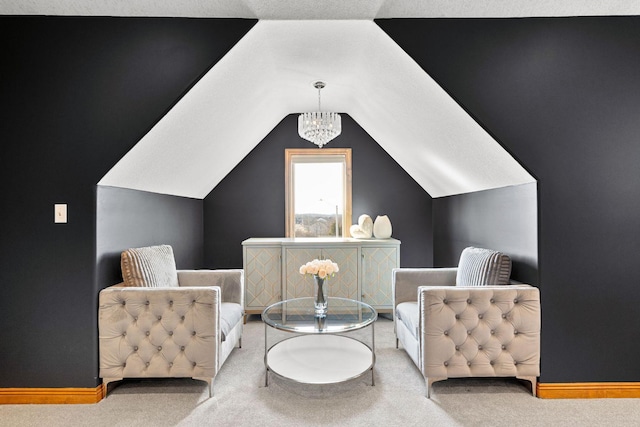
{"x": 152, "y": 266}
{"x": 483, "y": 267}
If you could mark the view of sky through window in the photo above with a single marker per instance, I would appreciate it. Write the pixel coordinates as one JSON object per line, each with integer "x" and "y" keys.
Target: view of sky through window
{"x": 318, "y": 188}
{"x": 318, "y": 199}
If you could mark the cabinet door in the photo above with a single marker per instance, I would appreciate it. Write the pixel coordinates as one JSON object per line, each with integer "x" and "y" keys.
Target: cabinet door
{"x": 344, "y": 284}
{"x": 262, "y": 276}
{"x": 296, "y": 284}
{"x": 377, "y": 264}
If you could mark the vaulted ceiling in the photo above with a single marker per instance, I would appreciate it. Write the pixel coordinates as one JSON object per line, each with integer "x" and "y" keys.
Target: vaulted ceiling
{"x": 269, "y": 74}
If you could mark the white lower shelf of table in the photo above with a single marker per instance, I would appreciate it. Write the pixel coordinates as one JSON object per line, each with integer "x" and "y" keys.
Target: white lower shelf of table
{"x": 320, "y": 359}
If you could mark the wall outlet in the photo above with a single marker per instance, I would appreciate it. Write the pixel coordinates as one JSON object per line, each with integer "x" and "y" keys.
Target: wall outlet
{"x": 60, "y": 214}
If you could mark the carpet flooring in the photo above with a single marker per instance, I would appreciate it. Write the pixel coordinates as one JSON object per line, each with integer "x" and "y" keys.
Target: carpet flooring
{"x": 397, "y": 399}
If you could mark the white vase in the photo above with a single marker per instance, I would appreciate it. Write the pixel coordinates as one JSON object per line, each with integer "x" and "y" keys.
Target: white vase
{"x": 364, "y": 228}
{"x": 382, "y": 227}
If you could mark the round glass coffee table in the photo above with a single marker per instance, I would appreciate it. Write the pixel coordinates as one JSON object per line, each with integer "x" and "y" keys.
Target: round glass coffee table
{"x": 319, "y": 352}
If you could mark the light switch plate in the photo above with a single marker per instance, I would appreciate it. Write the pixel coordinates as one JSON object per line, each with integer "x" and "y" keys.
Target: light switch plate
{"x": 60, "y": 214}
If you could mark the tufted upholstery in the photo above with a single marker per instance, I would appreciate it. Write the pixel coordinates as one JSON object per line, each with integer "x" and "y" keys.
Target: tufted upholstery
{"x": 453, "y": 331}
{"x": 184, "y": 331}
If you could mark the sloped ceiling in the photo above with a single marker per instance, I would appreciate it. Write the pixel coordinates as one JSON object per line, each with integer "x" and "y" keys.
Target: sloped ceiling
{"x": 269, "y": 74}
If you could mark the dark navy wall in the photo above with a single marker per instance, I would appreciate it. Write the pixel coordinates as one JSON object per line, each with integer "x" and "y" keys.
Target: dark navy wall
{"x": 250, "y": 201}
{"x": 563, "y": 96}
{"x": 504, "y": 219}
{"x": 75, "y": 95}
{"x": 130, "y": 219}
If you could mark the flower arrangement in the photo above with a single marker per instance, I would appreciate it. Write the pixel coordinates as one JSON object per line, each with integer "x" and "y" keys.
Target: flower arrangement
{"x": 322, "y": 268}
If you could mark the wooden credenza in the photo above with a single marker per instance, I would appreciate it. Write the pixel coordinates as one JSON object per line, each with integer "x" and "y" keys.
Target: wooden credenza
{"x": 271, "y": 269}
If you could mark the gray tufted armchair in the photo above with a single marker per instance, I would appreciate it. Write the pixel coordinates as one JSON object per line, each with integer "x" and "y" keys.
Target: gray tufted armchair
{"x": 161, "y": 322}
{"x": 468, "y": 321}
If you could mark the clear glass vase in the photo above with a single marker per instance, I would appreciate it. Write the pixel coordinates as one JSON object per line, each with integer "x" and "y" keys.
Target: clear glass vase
{"x": 320, "y": 296}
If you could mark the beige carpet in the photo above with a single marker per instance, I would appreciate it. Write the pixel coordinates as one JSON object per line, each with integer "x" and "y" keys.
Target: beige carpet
{"x": 397, "y": 399}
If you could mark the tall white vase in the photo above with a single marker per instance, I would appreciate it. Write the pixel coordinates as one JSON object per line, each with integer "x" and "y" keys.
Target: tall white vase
{"x": 382, "y": 227}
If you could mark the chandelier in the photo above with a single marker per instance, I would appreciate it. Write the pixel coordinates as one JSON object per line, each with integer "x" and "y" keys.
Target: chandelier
{"x": 319, "y": 127}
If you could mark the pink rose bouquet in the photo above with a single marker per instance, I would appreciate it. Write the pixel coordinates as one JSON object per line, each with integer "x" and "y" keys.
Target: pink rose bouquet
{"x": 322, "y": 268}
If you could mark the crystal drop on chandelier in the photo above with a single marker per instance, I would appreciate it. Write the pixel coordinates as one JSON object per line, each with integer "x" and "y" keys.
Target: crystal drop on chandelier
{"x": 319, "y": 127}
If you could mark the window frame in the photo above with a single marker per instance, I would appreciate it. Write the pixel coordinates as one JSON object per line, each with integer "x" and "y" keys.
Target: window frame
{"x": 290, "y": 154}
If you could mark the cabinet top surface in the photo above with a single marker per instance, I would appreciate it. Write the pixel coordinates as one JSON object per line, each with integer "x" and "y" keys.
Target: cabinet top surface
{"x": 317, "y": 241}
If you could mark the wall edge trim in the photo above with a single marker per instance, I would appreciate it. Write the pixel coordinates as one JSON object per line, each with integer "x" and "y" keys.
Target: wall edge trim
{"x": 61, "y": 395}
{"x": 588, "y": 390}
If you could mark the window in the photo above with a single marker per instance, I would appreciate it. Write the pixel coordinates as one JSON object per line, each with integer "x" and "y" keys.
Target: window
{"x": 318, "y": 192}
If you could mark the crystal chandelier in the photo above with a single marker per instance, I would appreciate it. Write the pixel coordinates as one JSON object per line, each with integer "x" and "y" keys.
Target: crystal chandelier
{"x": 317, "y": 126}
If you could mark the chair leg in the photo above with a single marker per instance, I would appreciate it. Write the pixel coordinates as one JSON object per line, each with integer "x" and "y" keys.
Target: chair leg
{"x": 209, "y": 382}
{"x": 105, "y": 384}
{"x": 429, "y": 382}
{"x": 397, "y": 342}
{"x": 534, "y": 382}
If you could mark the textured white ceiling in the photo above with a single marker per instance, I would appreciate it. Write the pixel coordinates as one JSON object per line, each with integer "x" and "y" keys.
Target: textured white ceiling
{"x": 321, "y": 9}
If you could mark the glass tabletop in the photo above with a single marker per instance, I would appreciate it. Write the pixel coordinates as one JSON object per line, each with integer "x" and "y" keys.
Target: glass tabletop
{"x": 298, "y": 315}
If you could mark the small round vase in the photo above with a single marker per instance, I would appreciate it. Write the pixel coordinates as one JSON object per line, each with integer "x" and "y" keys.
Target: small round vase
{"x": 320, "y": 296}
{"x": 364, "y": 228}
{"x": 382, "y": 227}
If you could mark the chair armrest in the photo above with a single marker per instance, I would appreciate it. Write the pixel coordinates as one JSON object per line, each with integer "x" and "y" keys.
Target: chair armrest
{"x": 231, "y": 282}
{"x": 503, "y": 322}
{"x": 405, "y": 281}
{"x": 150, "y": 331}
